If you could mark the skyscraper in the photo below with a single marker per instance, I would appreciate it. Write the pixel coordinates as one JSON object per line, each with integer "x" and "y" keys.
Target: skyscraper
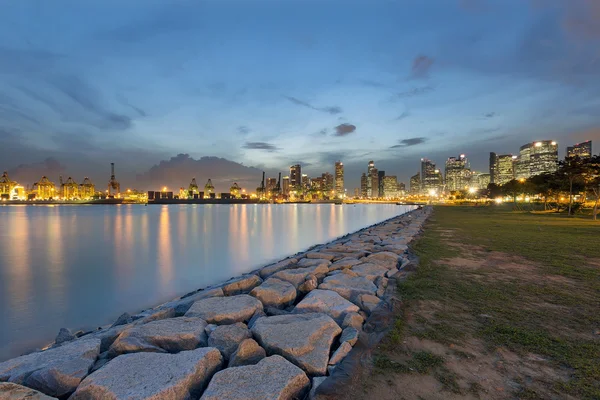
{"x": 327, "y": 183}
{"x": 374, "y": 183}
{"x": 295, "y": 177}
{"x": 537, "y": 158}
{"x": 581, "y": 150}
{"x": 364, "y": 183}
{"x": 431, "y": 178}
{"x": 339, "y": 179}
{"x": 380, "y": 190}
{"x": 458, "y": 174}
{"x": 370, "y": 168}
{"x": 502, "y": 168}
{"x": 271, "y": 183}
{"x": 285, "y": 186}
{"x": 390, "y": 186}
{"x": 415, "y": 184}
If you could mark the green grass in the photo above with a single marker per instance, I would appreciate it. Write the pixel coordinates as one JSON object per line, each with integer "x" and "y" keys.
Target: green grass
{"x": 514, "y": 309}
{"x": 424, "y": 362}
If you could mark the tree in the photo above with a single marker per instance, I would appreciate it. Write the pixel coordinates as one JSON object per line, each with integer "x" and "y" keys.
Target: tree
{"x": 545, "y": 185}
{"x": 494, "y": 191}
{"x": 512, "y": 188}
{"x": 573, "y": 170}
{"x": 592, "y": 182}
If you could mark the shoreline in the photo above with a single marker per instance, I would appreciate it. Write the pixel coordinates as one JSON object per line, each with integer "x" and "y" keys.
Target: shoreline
{"x": 334, "y": 286}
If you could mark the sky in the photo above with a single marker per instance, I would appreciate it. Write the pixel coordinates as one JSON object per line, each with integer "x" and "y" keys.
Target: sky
{"x": 271, "y": 83}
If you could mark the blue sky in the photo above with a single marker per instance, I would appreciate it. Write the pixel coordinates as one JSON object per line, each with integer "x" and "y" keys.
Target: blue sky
{"x": 268, "y": 83}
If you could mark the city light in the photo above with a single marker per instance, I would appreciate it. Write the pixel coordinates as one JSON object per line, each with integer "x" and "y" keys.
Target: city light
{"x": 472, "y": 190}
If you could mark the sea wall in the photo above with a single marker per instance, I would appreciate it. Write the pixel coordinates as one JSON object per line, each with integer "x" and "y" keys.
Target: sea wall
{"x": 278, "y": 332}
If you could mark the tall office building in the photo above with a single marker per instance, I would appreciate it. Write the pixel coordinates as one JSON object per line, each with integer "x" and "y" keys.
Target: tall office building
{"x": 479, "y": 180}
{"x": 285, "y": 186}
{"x": 271, "y": 183}
{"x": 502, "y": 168}
{"x": 458, "y": 174}
{"x": 374, "y": 183}
{"x": 364, "y": 184}
{"x": 380, "y": 175}
{"x": 389, "y": 186}
{"x": 295, "y": 177}
{"x": 339, "y": 179}
{"x": 327, "y": 183}
{"x": 370, "y": 168}
{"x": 415, "y": 184}
{"x": 431, "y": 178}
{"x": 537, "y": 158}
{"x": 305, "y": 182}
{"x": 581, "y": 150}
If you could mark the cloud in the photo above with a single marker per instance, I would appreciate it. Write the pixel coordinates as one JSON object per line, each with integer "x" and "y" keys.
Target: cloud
{"x": 421, "y": 66}
{"x": 260, "y": 146}
{"x": 402, "y": 116}
{"x": 490, "y": 115}
{"x": 409, "y": 142}
{"x": 329, "y": 109}
{"x": 344, "y": 129}
{"x": 415, "y": 92}
{"x": 243, "y": 130}
{"x": 32, "y": 172}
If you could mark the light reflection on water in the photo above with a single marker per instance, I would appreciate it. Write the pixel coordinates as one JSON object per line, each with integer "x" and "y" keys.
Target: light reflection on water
{"x": 82, "y": 266}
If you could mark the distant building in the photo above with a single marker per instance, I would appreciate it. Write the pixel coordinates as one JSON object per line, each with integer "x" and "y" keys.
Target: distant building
{"x": 380, "y": 190}
{"x": 581, "y": 150}
{"x": 356, "y": 192}
{"x": 537, "y": 158}
{"x": 285, "y": 186}
{"x": 390, "y": 186}
{"x": 480, "y": 180}
{"x": 401, "y": 188}
{"x": 502, "y": 168}
{"x": 271, "y": 184}
{"x": 415, "y": 184}
{"x": 339, "y": 178}
{"x": 328, "y": 183}
{"x": 364, "y": 186}
{"x": 370, "y": 168}
{"x": 458, "y": 174}
{"x": 87, "y": 190}
{"x": 295, "y": 177}
{"x": 431, "y": 178}
{"x": 305, "y": 182}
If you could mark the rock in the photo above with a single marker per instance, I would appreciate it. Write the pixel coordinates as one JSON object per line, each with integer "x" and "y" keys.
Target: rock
{"x": 326, "y": 302}
{"x": 182, "y": 305}
{"x": 340, "y": 353}
{"x": 248, "y": 353}
{"x": 319, "y": 255}
{"x": 309, "y": 284}
{"x": 258, "y": 314}
{"x": 123, "y": 319}
{"x": 273, "y": 378}
{"x": 55, "y": 372}
{"x": 349, "y": 287}
{"x": 225, "y": 310}
{"x": 275, "y": 293}
{"x": 64, "y": 335}
{"x": 368, "y": 302}
{"x": 350, "y": 335}
{"x": 270, "y": 311}
{"x": 370, "y": 271}
{"x": 384, "y": 258}
{"x": 155, "y": 315}
{"x": 298, "y": 275}
{"x": 304, "y": 339}
{"x": 313, "y": 262}
{"x": 168, "y": 335}
{"x": 152, "y": 376}
{"x": 330, "y": 369}
{"x": 353, "y": 320}
{"x": 316, "y": 382}
{"x": 226, "y": 338}
{"x": 281, "y": 265}
{"x": 381, "y": 283}
{"x": 12, "y": 391}
{"x": 209, "y": 328}
{"x": 346, "y": 262}
{"x": 243, "y": 284}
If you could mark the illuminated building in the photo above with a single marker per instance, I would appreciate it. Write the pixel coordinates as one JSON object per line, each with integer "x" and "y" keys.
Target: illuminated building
{"x": 415, "y": 184}
{"x": 537, "y": 158}
{"x": 183, "y": 194}
{"x": 370, "y": 183}
{"x": 356, "y": 192}
{"x": 581, "y": 150}
{"x": 295, "y": 177}
{"x": 271, "y": 184}
{"x": 285, "y": 186}
{"x": 305, "y": 182}
{"x": 502, "y": 168}
{"x": 364, "y": 182}
{"x": 317, "y": 184}
{"x": 18, "y": 193}
{"x": 390, "y": 186}
{"x": 431, "y": 178}
{"x": 479, "y": 180}
{"x": 458, "y": 174}
{"x": 87, "y": 190}
{"x": 44, "y": 189}
{"x": 209, "y": 189}
{"x": 6, "y": 185}
{"x": 69, "y": 190}
{"x": 234, "y": 190}
{"x": 401, "y": 188}
{"x": 339, "y": 178}
{"x": 380, "y": 175}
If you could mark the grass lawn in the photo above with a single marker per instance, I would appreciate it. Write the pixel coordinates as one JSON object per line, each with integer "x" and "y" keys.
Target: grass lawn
{"x": 503, "y": 305}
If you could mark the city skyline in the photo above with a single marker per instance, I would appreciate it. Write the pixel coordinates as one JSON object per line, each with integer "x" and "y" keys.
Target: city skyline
{"x": 247, "y": 82}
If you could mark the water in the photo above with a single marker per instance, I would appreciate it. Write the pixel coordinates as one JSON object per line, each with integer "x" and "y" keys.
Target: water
{"x": 82, "y": 266}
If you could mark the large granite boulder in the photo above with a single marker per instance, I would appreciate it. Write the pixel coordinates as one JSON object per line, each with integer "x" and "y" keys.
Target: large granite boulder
{"x": 298, "y": 275}
{"x": 368, "y": 303}
{"x": 310, "y": 283}
{"x": 55, "y": 372}
{"x": 273, "y": 378}
{"x": 384, "y": 258}
{"x": 181, "y": 306}
{"x": 167, "y": 335}
{"x": 243, "y": 284}
{"x": 316, "y": 382}
{"x": 354, "y": 320}
{"x": 248, "y": 353}
{"x": 350, "y": 335}
{"x": 313, "y": 262}
{"x": 275, "y": 293}
{"x": 64, "y": 335}
{"x": 279, "y": 266}
{"x": 226, "y": 338}
{"x": 304, "y": 339}
{"x": 340, "y": 353}
{"x": 349, "y": 287}
{"x": 152, "y": 376}
{"x": 12, "y": 391}
{"x": 370, "y": 271}
{"x": 326, "y": 302}
{"x": 320, "y": 255}
{"x": 346, "y": 262}
{"x": 225, "y": 310}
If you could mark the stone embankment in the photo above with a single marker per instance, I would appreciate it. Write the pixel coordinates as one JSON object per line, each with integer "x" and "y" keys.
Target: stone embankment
{"x": 276, "y": 333}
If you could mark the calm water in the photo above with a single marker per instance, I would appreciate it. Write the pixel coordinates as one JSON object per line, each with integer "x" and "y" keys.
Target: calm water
{"x": 82, "y": 266}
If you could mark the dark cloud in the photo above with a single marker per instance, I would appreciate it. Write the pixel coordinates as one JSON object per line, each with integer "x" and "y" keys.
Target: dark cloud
{"x": 32, "y": 172}
{"x": 490, "y": 115}
{"x": 409, "y": 142}
{"x": 421, "y": 66}
{"x": 415, "y": 92}
{"x": 301, "y": 163}
{"x": 344, "y": 129}
{"x": 243, "y": 130}
{"x": 260, "y": 146}
{"x": 402, "y": 116}
{"x": 329, "y": 109}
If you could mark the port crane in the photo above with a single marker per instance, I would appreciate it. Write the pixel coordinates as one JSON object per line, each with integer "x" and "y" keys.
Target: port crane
{"x": 114, "y": 187}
